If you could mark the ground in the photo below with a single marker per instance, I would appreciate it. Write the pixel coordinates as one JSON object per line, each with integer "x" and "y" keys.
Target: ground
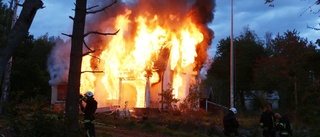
{"x": 160, "y": 125}
{"x": 147, "y": 127}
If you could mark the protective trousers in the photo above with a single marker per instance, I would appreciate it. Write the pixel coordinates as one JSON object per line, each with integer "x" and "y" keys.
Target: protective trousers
{"x": 89, "y": 127}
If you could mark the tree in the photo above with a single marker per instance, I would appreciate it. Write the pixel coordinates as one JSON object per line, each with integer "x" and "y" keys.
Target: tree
{"x": 297, "y": 52}
{"x": 291, "y": 68}
{"x": 5, "y": 85}
{"x": 72, "y": 109}
{"x": 77, "y": 42}
{"x": 31, "y": 57}
{"x": 247, "y": 50}
{"x": 218, "y": 74}
{"x": 167, "y": 98}
{"x": 16, "y": 35}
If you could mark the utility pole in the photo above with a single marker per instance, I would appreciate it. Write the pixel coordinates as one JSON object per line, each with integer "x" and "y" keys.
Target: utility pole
{"x": 231, "y": 61}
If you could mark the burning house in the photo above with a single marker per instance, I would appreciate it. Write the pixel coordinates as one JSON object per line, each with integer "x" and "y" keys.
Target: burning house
{"x": 160, "y": 43}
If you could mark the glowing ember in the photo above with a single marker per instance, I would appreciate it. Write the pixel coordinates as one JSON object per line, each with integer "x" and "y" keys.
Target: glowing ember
{"x": 168, "y": 37}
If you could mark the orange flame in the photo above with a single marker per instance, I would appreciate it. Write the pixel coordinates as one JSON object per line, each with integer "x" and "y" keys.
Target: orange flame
{"x": 125, "y": 57}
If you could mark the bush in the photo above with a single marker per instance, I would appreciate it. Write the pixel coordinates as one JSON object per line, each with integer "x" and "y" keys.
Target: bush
{"x": 34, "y": 117}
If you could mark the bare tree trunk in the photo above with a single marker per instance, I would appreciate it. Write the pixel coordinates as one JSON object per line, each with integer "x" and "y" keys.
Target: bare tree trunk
{"x": 5, "y": 87}
{"x": 8, "y": 26}
{"x": 295, "y": 99}
{"x": 72, "y": 101}
{"x": 17, "y": 34}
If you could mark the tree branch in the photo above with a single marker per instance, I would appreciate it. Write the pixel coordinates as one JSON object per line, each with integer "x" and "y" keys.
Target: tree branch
{"x": 87, "y": 53}
{"x": 71, "y": 17}
{"x": 92, "y": 7}
{"x": 95, "y": 11}
{"x": 96, "y": 58}
{"x": 68, "y": 35}
{"x": 75, "y": 5}
{"x": 314, "y": 28}
{"x": 90, "y": 50}
{"x": 308, "y": 8}
{"x": 92, "y": 71}
{"x": 100, "y": 33}
{"x": 19, "y": 4}
{"x": 84, "y": 42}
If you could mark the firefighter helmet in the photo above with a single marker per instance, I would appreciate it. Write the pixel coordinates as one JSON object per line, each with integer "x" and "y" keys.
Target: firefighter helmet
{"x": 233, "y": 110}
{"x": 89, "y": 93}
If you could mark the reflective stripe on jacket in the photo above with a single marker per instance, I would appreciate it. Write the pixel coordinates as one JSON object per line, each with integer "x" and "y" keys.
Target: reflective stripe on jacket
{"x": 88, "y": 121}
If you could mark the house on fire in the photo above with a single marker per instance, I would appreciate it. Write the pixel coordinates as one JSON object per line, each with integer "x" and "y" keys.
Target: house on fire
{"x": 134, "y": 92}
{"x": 150, "y": 53}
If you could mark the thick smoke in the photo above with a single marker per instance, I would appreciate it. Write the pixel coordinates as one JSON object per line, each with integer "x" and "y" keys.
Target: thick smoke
{"x": 58, "y": 63}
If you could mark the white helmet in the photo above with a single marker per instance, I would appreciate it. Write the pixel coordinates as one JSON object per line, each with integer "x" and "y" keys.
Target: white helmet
{"x": 233, "y": 110}
{"x": 89, "y": 93}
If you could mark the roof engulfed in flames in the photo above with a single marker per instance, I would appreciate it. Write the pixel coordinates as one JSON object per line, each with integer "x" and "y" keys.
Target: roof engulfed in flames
{"x": 155, "y": 35}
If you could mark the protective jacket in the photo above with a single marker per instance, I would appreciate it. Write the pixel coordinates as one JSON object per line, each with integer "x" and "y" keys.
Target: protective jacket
{"x": 89, "y": 109}
{"x": 284, "y": 126}
{"x": 267, "y": 123}
{"x": 230, "y": 124}
{"x": 267, "y": 120}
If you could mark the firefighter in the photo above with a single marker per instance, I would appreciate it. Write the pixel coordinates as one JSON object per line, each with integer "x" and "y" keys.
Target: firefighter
{"x": 283, "y": 125}
{"x": 89, "y": 110}
{"x": 230, "y": 123}
{"x": 267, "y": 122}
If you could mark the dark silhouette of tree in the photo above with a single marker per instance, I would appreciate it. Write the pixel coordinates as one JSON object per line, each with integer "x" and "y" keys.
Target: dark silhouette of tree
{"x": 292, "y": 68}
{"x": 219, "y": 73}
{"x": 72, "y": 100}
{"x": 29, "y": 73}
{"x": 247, "y": 50}
{"x": 16, "y": 35}
{"x": 77, "y": 42}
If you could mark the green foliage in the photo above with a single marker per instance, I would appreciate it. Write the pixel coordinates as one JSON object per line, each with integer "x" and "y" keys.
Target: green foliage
{"x": 218, "y": 75}
{"x": 309, "y": 112}
{"x": 29, "y": 73}
{"x": 247, "y": 50}
{"x": 191, "y": 102}
{"x": 168, "y": 98}
{"x": 33, "y": 117}
{"x": 288, "y": 64}
{"x": 189, "y": 107}
{"x": 290, "y": 67}
{"x": 162, "y": 124}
